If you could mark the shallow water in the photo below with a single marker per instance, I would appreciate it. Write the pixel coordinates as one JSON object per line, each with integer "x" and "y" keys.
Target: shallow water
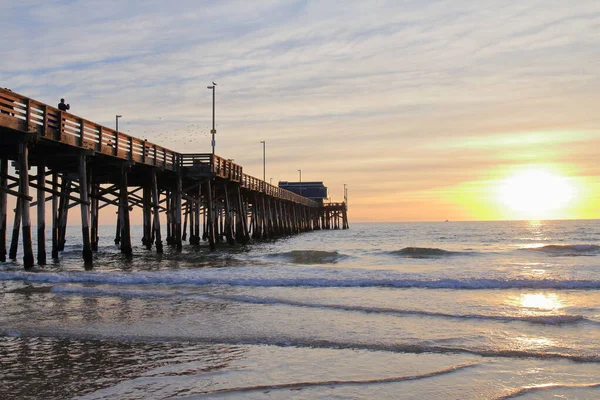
{"x": 404, "y": 310}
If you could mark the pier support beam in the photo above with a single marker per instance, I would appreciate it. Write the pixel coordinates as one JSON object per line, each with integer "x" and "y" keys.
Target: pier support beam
{"x": 228, "y": 220}
{"x": 124, "y": 210}
{"x": 54, "y": 215}
{"x": 211, "y": 228}
{"x": 28, "y": 261}
{"x": 147, "y": 216}
{"x": 177, "y": 209}
{"x": 14, "y": 242}
{"x": 63, "y": 212}
{"x": 156, "y": 212}
{"x": 242, "y": 234}
{"x": 3, "y": 207}
{"x": 85, "y": 211}
{"x": 41, "y": 213}
{"x": 95, "y": 215}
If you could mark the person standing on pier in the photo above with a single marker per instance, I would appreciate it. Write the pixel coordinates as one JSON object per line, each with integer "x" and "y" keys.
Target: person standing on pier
{"x": 62, "y": 106}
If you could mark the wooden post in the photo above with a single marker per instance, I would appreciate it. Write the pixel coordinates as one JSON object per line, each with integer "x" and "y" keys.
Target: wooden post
{"x": 41, "y": 213}
{"x": 197, "y": 217}
{"x": 228, "y": 224}
{"x": 266, "y": 206}
{"x": 25, "y": 204}
{"x": 85, "y": 211}
{"x": 186, "y": 213}
{"x": 177, "y": 218}
{"x": 345, "y": 216}
{"x": 124, "y": 207}
{"x": 119, "y": 223}
{"x": 156, "y": 211}
{"x": 211, "y": 218}
{"x": 95, "y": 216}
{"x": 147, "y": 217}
{"x": 3, "y": 207}
{"x": 168, "y": 205}
{"x": 14, "y": 242}
{"x": 55, "y": 189}
{"x": 242, "y": 230}
{"x": 63, "y": 211}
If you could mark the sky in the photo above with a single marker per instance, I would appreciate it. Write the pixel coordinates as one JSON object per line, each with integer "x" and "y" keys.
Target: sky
{"x": 426, "y": 110}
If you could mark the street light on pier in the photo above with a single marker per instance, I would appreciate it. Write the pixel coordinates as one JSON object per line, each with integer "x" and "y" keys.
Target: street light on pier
{"x": 213, "y": 130}
{"x": 345, "y": 194}
{"x": 300, "y": 173}
{"x": 264, "y": 161}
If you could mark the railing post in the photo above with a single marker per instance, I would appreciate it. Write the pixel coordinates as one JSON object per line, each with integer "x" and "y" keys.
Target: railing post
{"x": 81, "y": 126}
{"x": 45, "y": 119}
{"x": 99, "y": 147}
{"x": 27, "y": 112}
{"x": 60, "y": 125}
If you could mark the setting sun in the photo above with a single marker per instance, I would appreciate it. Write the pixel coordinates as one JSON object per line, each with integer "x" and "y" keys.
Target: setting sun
{"x": 536, "y": 193}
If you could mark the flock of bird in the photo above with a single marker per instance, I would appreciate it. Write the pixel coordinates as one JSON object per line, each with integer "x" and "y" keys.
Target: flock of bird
{"x": 190, "y": 135}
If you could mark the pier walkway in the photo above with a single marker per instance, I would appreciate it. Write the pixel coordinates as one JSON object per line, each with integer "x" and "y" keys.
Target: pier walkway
{"x": 203, "y": 197}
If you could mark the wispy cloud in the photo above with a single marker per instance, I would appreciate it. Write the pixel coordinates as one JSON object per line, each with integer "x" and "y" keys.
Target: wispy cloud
{"x": 441, "y": 91}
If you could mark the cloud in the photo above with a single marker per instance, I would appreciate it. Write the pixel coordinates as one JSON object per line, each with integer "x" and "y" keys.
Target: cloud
{"x": 422, "y": 86}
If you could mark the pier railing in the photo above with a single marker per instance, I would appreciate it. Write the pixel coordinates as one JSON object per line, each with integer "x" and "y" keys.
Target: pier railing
{"x": 226, "y": 169}
{"x": 25, "y": 114}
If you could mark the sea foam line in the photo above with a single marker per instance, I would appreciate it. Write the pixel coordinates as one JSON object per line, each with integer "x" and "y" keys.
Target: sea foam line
{"x": 405, "y": 348}
{"x": 192, "y": 278}
{"x": 302, "y": 385}
{"x": 540, "y": 319}
{"x": 529, "y": 389}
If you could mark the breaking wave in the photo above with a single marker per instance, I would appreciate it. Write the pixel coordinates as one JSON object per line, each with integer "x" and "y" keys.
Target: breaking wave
{"x": 354, "y": 382}
{"x": 567, "y": 250}
{"x": 309, "y": 256}
{"x": 410, "y": 348}
{"x": 426, "y": 252}
{"x": 540, "y": 388}
{"x": 561, "y": 319}
{"x": 206, "y": 277}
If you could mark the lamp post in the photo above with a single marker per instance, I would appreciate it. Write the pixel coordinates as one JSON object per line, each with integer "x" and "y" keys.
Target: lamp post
{"x": 117, "y": 122}
{"x": 213, "y": 130}
{"x": 345, "y": 194}
{"x": 300, "y": 173}
{"x": 264, "y": 161}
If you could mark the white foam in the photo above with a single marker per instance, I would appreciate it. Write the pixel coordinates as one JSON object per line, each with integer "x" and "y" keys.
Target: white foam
{"x": 323, "y": 278}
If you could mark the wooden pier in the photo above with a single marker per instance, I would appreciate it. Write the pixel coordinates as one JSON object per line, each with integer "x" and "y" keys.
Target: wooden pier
{"x": 200, "y": 197}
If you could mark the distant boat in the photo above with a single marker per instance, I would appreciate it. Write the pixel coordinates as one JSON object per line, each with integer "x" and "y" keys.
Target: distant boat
{"x": 446, "y": 221}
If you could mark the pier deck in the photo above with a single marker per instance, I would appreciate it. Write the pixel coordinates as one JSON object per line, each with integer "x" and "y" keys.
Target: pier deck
{"x": 81, "y": 163}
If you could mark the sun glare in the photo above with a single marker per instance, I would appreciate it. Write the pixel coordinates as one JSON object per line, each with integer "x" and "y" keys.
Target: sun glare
{"x": 536, "y": 193}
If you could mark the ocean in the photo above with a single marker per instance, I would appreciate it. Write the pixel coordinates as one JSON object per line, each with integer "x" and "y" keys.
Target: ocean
{"x": 441, "y": 310}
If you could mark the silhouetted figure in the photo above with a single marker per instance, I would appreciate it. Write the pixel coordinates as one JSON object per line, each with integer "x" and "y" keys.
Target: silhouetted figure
{"x": 62, "y": 106}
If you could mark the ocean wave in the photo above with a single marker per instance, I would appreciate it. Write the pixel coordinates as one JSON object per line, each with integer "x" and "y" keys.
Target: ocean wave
{"x": 561, "y": 319}
{"x": 538, "y": 388}
{"x": 426, "y": 252}
{"x": 406, "y": 348}
{"x": 196, "y": 278}
{"x": 309, "y": 256}
{"x": 353, "y": 382}
{"x": 567, "y": 250}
